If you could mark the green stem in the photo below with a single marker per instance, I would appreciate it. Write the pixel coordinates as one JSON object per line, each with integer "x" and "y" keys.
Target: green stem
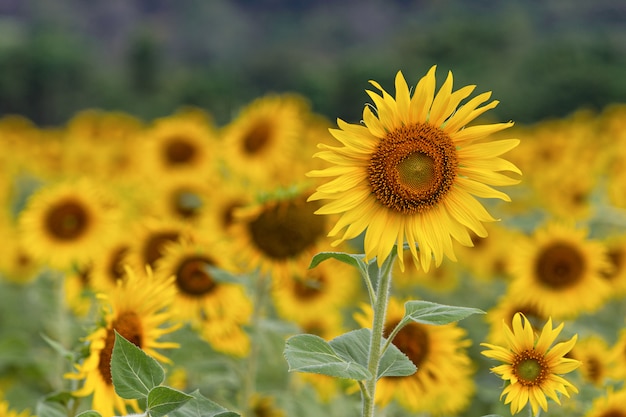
{"x": 251, "y": 369}
{"x": 378, "y": 325}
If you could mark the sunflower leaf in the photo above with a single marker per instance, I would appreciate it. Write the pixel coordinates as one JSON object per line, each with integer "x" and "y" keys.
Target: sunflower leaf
{"x": 427, "y": 312}
{"x": 347, "y": 258}
{"x": 163, "y": 400}
{"x": 200, "y": 406}
{"x": 312, "y": 354}
{"x": 134, "y": 373}
{"x": 354, "y": 346}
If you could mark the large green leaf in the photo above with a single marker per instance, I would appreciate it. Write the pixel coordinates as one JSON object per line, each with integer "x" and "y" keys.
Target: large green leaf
{"x": 312, "y": 354}
{"x": 354, "y": 346}
{"x": 200, "y": 406}
{"x": 427, "y": 312}
{"x": 134, "y": 372}
{"x": 164, "y": 400}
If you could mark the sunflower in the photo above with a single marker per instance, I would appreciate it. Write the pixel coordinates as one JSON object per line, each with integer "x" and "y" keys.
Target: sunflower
{"x": 412, "y": 171}
{"x": 611, "y": 405}
{"x": 16, "y": 263}
{"x": 616, "y": 275}
{"x": 443, "y": 279}
{"x": 261, "y": 142}
{"x": 532, "y": 366}
{"x": 328, "y": 287}
{"x": 68, "y": 222}
{"x": 200, "y": 295}
{"x": 280, "y": 235}
{"x": 618, "y": 354}
{"x": 505, "y": 310}
{"x": 443, "y": 383}
{"x": 139, "y": 310}
{"x": 181, "y": 145}
{"x": 596, "y": 358}
{"x": 561, "y": 271}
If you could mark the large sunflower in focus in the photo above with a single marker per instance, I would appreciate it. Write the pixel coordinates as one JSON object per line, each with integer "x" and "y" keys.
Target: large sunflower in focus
{"x": 139, "y": 310}
{"x": 412, "y": 171}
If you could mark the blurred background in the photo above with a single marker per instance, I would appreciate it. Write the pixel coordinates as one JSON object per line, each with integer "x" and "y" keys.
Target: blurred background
{"x": 541, "y": 59}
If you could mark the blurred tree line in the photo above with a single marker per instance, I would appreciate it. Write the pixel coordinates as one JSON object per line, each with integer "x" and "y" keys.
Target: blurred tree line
{"x": 148, "y": 57}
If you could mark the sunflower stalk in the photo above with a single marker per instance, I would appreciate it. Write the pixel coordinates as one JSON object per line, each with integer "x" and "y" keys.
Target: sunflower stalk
{"x": 375, "y": 352}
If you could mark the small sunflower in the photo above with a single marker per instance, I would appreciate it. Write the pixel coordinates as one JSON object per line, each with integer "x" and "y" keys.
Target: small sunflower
{"x": 561, "y": 271}
{"x": 180, "y": 144}
{"x": 412, "y": 171}
{"x": 200, "y": 295}
{"x": 596, "y": 358}
{"x": 328, "y": 287}
{"x": 443, "y": 383}
{"x": 67, "y": 222}
{"x": 505, "y": 310}
{"x": 139, "y": 310}
{"x": 532, "y": 366}
{"x": 613, "y": 404}
{"x": 261, "y": 142}
{"x": 616, "y": 275}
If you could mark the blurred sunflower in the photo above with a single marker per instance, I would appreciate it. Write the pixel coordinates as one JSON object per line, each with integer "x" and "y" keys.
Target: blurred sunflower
{"x": 412, "y": 172}
{"x": 532, "y": 366}
{"x": 200, "y": 294}
{"x": 67, "y": 222}
{"x": 151, "y": 236}
{"x": 16, "y": 263}
{"x": 443, "y": 383}
{"x": 280, "y": 235}
{"x": 181, "y": 145}
{"x": 618, "y": 354}
{"x": 140, "y": 310}
{"x": 505, "y": 310}
{"x": 596, "y": 358}
{"x": 184, "y": 198}
{"x": 300, "y": 297}
{"x": 444, "y": 278}
{"x": 616, "y": 275}
{"x": 613, "y": 404}
{"x": 260, "y": 144}
{"x": 560, "y": 271}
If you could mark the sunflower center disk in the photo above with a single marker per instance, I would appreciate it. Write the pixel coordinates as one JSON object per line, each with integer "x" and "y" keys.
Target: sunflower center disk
{"x": 286, "y": 230}
{"x": 179, "y": 151}
{"x": 413, "y": 168}
{"x": 257, "y": 137}
{"x": 560, "y": 266}
{"x": 530, "y": 368}
{"x": 412, "y": 340}
{"x": 126, "y": 324}
{"x": 67, "y": 221}
{"x": 193, "y": 276}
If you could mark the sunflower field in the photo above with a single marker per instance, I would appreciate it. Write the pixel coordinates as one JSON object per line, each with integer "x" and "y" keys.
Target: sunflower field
{"x": 413, "y": 253}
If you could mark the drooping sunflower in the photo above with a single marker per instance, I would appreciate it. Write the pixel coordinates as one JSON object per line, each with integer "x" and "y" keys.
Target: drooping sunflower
{"x": 613, "y": 404}
{"x": 412, "y": 171}
{"x": 532, "y": 366}
{"x": 68, "y": 222}
{"x": 443, "y": 383}
{"x": 560, "y": 270}
{"x": 139, "y": 309}
{"x": 279, "y": 235}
